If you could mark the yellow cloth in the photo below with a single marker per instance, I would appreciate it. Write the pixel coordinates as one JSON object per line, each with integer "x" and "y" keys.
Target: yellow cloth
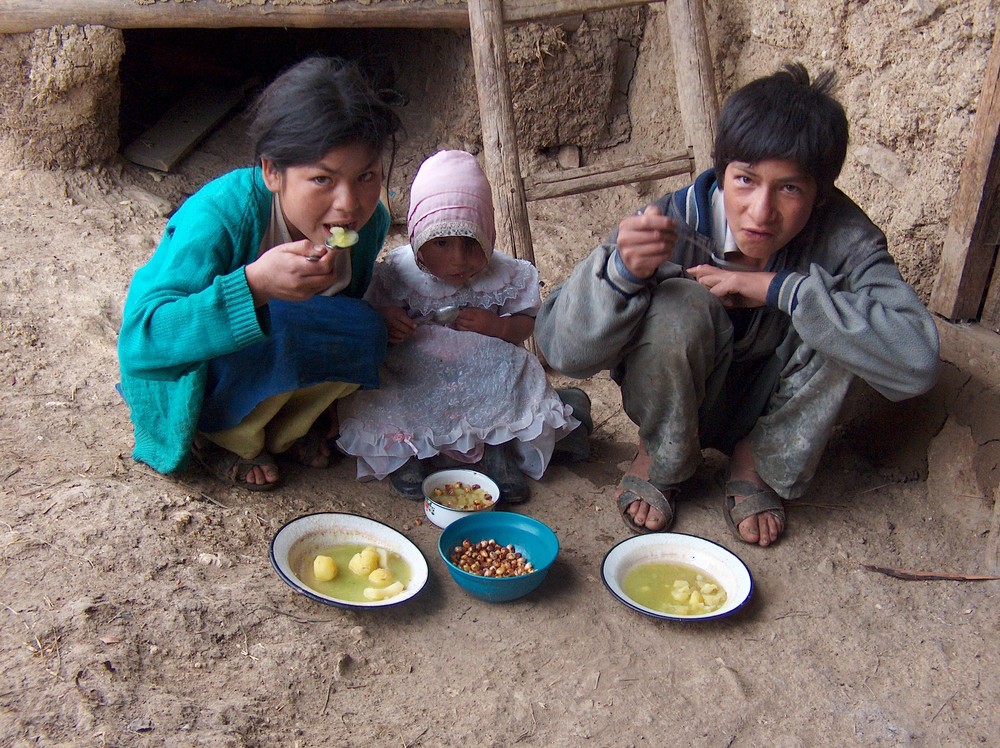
{"x": 276, "y": 423}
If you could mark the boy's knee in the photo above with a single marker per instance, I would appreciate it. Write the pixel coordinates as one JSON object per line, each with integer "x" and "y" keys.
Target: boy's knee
{"x": 682, "y": 310}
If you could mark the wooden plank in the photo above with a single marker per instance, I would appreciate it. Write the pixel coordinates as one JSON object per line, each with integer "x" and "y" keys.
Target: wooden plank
{"x": 696, "y": 92}
{"x": 496, "y": 110}
{"x": 27, "y": 15}
{"x": 968, "y": 255}
{"x": 988, "y": 240}
{"x": 586, "y": 179}
{"x": 184, "y": 125}
{"x": 17, "y": 16}
{"x": 993, "y": 542}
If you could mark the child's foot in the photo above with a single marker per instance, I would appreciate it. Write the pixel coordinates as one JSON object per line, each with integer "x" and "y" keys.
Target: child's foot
{"x": 766, "y": 525}
{"x": 409, "y": 479}
{"x": 258, "y": 473}
{"x": 500, "y": 463}
{"x": 642, "y": 514}
{"x": 312, "y": 450}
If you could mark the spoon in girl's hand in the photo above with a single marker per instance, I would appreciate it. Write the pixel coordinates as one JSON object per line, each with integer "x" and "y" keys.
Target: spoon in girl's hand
{"x": 446, "y": 314}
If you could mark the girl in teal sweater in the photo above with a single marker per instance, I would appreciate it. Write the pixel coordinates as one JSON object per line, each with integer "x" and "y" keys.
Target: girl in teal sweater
{"x": 247, "y": 325}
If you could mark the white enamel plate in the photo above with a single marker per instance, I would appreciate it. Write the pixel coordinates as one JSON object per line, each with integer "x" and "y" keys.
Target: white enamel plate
{"x": 671, "y": 547}
{"x": 306, "y": 536}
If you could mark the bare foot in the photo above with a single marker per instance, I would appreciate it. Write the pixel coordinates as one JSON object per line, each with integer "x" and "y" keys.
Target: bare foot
{"x": 255, "y": 474}
{"x": 642, "y": 513}
{"x": 763, "y": 528}
{"x": 311, "y": 450}
{"x": 262, "y": 474}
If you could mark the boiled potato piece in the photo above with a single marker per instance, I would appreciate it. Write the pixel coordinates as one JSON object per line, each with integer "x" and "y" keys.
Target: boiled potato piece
{"x": 373, "y": 594}
{"x": 365, "y": 562}
{"x": 341, "y": 237}
{"x": 324, "y": 568}
{"x": 381, "y": 577}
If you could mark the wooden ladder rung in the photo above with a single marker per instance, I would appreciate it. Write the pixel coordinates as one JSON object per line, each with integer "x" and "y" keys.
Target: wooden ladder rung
{"x": 588, "y": 178}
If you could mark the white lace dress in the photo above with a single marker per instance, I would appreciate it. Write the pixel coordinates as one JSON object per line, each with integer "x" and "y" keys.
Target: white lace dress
{"x": 446, "y": 392}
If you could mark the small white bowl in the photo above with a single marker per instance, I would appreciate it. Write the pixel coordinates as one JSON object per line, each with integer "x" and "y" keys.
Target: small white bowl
{"x": 442, "y": 515}
{"x": 306, "y": 536}
{"x": 672, "y": 547}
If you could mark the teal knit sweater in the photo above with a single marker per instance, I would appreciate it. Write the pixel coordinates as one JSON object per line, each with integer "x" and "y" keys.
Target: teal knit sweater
{"x": 191, "y": 303}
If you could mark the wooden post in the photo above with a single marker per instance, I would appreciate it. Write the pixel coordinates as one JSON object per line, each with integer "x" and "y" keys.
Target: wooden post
{"x": 969, "y": 250}
{"x": 696, "y": 92}
{"x": 496, "y": 110}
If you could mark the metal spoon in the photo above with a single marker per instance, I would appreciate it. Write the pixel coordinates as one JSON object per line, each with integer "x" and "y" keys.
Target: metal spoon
{"x": 446, "y": 315}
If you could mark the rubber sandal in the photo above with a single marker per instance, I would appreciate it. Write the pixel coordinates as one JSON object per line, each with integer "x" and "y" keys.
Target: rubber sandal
{"x": 757, "y": 499}
{"x": 635, "y": 488}
{"x": 500, "y": 463}
{"x": 408, "y": 481}
{"x": 229, "y": 467}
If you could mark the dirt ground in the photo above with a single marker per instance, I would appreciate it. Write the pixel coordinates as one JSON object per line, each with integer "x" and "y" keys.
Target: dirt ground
{"x": 141, "y": 610}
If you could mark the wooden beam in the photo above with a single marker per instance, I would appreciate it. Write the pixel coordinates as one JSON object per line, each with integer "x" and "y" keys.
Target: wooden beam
{"x": 968, "y": 253}
{"x": 496, "y": 110}
{"x": 27, "y": 15}
{"x": 17, "y": 16}
{"x": 586, "y": 179}
{"x": 696, "y": 92}
{"x": 989, "y": 240}
{"x": 520, "y": 11}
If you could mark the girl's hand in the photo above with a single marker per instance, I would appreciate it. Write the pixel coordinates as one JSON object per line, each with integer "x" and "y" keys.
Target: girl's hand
{"x": 399, "y": 325}
{"x": 735, "y": 288}
{"x": 473, "y": 319}
{"x": 514, "y": 328}
{"x": 645, "y": 241}
{"x": 286, "y": 272}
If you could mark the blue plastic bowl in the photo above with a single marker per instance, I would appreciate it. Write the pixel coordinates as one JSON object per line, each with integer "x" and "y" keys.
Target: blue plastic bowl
{"x": 535, "y": 541}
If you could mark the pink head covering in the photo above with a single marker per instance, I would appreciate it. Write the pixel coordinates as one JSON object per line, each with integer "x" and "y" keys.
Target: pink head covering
{"x": 451, "y": 196}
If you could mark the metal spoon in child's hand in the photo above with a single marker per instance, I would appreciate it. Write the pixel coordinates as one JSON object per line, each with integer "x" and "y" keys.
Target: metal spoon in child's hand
{"x": 446, "y": 315}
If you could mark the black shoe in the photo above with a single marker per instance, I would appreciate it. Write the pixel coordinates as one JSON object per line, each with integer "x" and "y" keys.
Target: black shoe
{"x": 408, "y": 480}
{"x": 500, "y": 463}
{"x": 575, "y": 446}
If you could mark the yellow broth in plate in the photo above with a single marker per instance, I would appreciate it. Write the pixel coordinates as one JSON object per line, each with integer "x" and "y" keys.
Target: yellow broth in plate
{"x": 674, "y": 588}
{"x": 348, "y": 585}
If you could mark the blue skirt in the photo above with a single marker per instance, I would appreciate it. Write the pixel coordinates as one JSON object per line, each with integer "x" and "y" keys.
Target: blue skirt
{"x": 323, "y": 339}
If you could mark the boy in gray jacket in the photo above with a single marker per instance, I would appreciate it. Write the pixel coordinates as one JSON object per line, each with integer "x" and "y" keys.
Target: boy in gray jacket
{"x": 735, "y": 312}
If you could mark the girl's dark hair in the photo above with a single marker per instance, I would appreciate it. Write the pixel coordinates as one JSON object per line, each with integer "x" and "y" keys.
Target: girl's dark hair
{"x": 785, "y": 116}
{"x": 316, "y": 105}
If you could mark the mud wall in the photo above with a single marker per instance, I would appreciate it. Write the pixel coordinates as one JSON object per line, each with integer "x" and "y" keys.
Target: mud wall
{"x": 911, "y": 76}
{"x": 59, "y": 97}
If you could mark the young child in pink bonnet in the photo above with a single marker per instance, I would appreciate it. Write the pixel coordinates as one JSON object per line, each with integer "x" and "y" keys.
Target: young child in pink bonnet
{"x": 466, "y": 389}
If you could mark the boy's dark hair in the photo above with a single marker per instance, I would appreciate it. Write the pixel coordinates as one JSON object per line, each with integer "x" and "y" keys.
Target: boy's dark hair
{"x": 785, "y": 116}
{"x": 316, "y": 105}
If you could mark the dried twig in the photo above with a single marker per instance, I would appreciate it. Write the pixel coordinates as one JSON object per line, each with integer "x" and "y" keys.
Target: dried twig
{"x": 329, "y": 691}
{"x": 928, "y": 576}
